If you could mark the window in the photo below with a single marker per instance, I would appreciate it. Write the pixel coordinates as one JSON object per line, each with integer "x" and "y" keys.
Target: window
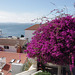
{"x": 6, "y": 47}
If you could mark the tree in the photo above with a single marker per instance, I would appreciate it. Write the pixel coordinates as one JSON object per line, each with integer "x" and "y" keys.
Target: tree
{"x": 54, "y": 40}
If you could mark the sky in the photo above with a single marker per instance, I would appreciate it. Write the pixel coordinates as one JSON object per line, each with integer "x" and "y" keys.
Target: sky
{"x": 23, "y": 11}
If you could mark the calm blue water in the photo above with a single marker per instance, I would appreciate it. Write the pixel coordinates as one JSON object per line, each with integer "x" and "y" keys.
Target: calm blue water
{"x": 14, "y": 29}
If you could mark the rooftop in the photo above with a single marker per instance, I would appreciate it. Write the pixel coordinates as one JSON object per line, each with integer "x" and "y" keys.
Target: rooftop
{"x": 34, "y": 27}
{"x": 11, "y": 42}
{"x": 9, "y": 56}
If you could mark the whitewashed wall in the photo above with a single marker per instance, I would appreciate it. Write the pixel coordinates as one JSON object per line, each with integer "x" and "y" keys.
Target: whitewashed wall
{"x": 28, "y": 34}
{"x": 28, "y": 72}
{"x": 11, "y": 48}
{"x": 16, "y": 68}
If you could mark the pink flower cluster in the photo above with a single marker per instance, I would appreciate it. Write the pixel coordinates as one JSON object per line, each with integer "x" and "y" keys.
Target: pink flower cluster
{"x": 54, "y": 41}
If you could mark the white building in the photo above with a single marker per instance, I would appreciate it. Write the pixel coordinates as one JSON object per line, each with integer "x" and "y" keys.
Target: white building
{"x": 30, "y": 30}
{"x": 11, "y": 45}
{"x": 12, "y": 63}
{"x": 0, "y": 33}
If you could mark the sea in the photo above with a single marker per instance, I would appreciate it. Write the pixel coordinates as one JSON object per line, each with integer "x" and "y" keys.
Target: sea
{"x": 14, "y": 29}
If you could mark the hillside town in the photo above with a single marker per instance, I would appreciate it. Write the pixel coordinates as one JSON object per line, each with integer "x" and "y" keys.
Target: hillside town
{"x": 13, "y": 59}
{"x": 12, "y": 55}
{"x": 37, "y": 37}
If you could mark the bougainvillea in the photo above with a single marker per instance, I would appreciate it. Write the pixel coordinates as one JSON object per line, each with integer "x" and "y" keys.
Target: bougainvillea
{"x": 54, "y": 41}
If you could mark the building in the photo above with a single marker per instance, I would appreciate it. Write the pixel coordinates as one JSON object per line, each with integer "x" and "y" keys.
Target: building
{"x": 11, "y": 45}
{"x": 11, "y": 65}
{"x": 1, "y": 33}
{"x": 30, "y": 30}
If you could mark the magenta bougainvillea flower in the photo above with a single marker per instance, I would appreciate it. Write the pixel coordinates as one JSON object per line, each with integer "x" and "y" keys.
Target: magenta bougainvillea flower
{"x": 54, "y": 41}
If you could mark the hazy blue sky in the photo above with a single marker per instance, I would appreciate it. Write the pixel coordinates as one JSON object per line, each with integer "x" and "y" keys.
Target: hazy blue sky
{"x": 27, "y": 10}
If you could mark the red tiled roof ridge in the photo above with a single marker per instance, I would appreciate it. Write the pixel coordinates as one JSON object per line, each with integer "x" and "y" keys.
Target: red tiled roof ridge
{"x": 34, "y": 27}
{"x": 11, "y": 42}
{"x": 9, "y": 39}
{"x": 11, "y": 52}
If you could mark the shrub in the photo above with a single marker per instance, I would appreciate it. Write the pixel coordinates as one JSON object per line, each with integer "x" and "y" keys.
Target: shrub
{"x": 26, "y": 65}
{"x": 43, "y": 73}
{"x": 54, "y": 40}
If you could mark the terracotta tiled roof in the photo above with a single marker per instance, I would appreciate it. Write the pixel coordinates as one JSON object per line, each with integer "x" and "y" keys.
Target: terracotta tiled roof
{"x": 9, "y": 56}
{"x": 34, "y": 27}
{"x": 11, "y": 42}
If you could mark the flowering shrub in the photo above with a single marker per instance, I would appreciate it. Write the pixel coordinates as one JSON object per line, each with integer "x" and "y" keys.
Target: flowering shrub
{"x": 54, "y": 41}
